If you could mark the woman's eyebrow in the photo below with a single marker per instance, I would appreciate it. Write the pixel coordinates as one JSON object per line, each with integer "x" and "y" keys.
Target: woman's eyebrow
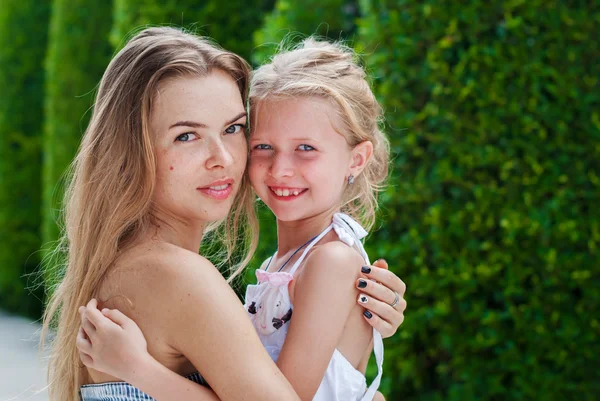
{"x": 194, "y": 124}
{"x": 242, "y": 114}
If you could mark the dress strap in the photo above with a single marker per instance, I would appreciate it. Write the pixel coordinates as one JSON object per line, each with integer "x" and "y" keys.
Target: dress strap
{"x": 270, "y": 260}
{"x": 378, "y": 350}
{"x": 351, "y": 233}
{"x": 309, "y": 247}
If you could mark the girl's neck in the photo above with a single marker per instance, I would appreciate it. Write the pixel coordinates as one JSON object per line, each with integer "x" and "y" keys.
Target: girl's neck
{"x": 293, "y": 234}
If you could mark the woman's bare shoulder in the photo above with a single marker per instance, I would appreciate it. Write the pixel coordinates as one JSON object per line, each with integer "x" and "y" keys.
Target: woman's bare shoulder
{"x": 154, "y": 274}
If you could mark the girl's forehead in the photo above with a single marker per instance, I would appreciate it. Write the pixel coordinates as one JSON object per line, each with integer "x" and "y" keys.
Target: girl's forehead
{"x": 304, "y": 114}
{"x": 293, "y": 105}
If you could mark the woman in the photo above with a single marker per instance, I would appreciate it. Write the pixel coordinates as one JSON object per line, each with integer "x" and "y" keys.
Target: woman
{"x": 142, "y": 196}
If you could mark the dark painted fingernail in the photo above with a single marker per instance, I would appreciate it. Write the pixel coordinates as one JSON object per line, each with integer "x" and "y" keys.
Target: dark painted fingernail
{"x": 366, "y": 269}
{"x": 368, "y": 314}
{"x": 362, "y": 283}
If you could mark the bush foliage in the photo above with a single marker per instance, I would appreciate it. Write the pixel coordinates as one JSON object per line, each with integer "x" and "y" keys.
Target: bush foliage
{"x": 494, "y": 114}
{"x": 230, "y": 23}
{"x": 23, "y": 36}
{"x": 291, "y": 21}
{"x": 78, "y": 53}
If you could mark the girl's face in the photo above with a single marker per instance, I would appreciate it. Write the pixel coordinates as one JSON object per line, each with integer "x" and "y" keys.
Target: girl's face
{"x": 298, "y": 162}
{"x": 198, "y": 124}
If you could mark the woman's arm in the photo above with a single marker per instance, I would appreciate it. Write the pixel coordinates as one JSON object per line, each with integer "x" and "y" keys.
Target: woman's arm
{"x": 204, "y": 321}
{"x": 120, "y": 349}
{"x": 127, "y": 348}
{"x": 112, "y": 343}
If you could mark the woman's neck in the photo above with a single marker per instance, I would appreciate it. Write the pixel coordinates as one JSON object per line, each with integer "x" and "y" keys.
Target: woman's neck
{"x": 184, "y": 234}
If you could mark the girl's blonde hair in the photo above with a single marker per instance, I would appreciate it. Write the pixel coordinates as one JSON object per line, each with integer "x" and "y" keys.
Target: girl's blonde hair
{"x": 108, "y": 201}
{"x": 331, "y": 71}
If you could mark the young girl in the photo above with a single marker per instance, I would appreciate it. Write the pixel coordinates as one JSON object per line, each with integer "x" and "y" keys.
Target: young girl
{"x": 317, "y": 159}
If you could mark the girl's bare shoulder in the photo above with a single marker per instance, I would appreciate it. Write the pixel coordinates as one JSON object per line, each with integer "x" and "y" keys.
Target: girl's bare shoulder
{"x": 336, "y": 256}
{"x": 333, "y": 262}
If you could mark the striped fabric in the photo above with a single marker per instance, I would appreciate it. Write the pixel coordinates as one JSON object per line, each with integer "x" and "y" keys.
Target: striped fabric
{"x": 122, "y": 391}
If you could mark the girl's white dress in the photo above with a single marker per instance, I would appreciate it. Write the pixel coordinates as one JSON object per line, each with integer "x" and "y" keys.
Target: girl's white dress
{"x": 270, "y": 309}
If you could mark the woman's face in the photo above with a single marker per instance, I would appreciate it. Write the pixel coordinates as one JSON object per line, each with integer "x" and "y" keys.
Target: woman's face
{"x": 198, "y": 125}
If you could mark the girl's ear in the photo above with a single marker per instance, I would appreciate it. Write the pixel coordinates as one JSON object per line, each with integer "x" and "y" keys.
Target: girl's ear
{"x": 360, "y": 156}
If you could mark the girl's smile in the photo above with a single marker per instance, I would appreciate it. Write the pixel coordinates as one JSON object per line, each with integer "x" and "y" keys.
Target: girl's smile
{"x": 287, "y": 193}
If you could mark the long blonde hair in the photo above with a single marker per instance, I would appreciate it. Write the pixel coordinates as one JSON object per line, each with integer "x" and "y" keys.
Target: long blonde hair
{"x": 330, "y": 71}
{"x": 108, "y": 201}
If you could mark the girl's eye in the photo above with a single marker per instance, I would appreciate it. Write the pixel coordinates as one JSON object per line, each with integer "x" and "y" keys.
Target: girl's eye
{"x": 235, "y": 128}
{"x": 263, "y": 146}
{"x": 186, "y": 137}
{"x": 306, "y": 148}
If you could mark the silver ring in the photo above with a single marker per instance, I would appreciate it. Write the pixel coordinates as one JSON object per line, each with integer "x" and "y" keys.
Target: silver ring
{"x": 396, "y": 300}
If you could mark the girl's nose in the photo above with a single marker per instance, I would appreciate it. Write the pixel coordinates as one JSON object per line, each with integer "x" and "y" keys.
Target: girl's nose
{"x": 282, "y": 166}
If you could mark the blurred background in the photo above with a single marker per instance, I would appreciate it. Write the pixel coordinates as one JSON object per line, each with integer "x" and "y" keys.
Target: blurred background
{"x": 491, "y": 215}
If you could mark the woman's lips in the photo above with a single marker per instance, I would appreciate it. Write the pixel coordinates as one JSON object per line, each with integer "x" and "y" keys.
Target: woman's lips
{"x": 219, "y": 190}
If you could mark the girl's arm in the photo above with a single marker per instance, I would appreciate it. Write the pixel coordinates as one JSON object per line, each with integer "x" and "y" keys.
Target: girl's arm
{"x": 323, "y": 300}
{"x": 201, "y": 317}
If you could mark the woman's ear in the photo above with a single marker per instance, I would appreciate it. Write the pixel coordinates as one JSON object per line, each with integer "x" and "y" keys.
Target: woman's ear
{"x": 360, "y": 156}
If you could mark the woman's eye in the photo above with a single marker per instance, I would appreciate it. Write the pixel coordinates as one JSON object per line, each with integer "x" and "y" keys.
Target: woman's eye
{"x": 188, "y": 136}
{"x": 235, "y": 128}
{"x": 262, "y": 146}
{"x": 306, "y": 148}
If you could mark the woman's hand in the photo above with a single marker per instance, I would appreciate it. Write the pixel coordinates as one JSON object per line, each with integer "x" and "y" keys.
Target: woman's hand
{"x": 382, "y": 294}
{"x": 110, "y": 342}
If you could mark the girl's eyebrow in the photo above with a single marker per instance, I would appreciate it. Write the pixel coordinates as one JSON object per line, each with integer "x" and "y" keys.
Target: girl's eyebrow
{"x": 194, "y": 124}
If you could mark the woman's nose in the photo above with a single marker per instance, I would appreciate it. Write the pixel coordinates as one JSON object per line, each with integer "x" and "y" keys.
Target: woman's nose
{"x": 220, "y": 155}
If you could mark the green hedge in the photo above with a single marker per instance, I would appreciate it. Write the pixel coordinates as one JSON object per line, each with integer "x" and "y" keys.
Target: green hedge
{"x": 492, "y": 214}
{"x": 292, "y": 20}
{"x": 78, "y": 53}
{"x": 230, "y": 23}
{"x": 23, "y": 37}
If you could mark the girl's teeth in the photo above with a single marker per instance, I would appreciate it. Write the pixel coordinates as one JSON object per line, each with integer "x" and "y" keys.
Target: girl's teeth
{"x": 286, "y": 192}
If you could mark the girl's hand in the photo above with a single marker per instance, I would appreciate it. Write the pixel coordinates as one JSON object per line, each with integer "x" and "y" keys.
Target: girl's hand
{"x": 110, "y": 342}
{"x": 378, "y": 288}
